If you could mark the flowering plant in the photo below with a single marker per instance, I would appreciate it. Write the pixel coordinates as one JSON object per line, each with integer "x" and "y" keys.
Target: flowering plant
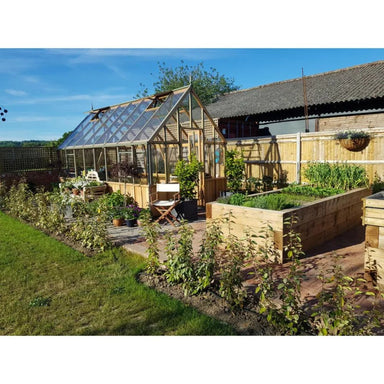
{"x": 352, "y": 134}
{"x": 131, "y": 212}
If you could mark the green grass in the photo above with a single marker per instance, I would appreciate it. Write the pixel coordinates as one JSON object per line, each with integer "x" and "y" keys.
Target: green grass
{"x": 47, "y": 288}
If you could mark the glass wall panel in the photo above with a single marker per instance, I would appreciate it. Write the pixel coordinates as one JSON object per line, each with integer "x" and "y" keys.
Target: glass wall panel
{"x": 88, "y": 157}
{"x": 100, "y": 163}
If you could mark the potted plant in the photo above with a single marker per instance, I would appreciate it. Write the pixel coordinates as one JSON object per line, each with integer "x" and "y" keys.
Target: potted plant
{"x": 144, "y": 215}
{"x": 131, "y": 213}
{"x": 188, "y": 176}
{"x": 234, "y": 170}
{"x": 354, "y": 141}
{"x": 118, "y": 216}
{"x": 66, "y": 186}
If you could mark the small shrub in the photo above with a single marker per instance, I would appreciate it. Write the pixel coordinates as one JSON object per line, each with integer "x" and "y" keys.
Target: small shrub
{"x": 280, "y": 300}
{"x": 206, "y": 264}
{"x": 335, "y": 310}
{"x": 152, "y": 233}
{"x": 234, "y": 170}
{"x": 90, "y": 232}
{"x": 231, "y": 263}
{"x": 48, "y": 215}
{"x": 19, "y": 201}
{"x": 180, "y": 268}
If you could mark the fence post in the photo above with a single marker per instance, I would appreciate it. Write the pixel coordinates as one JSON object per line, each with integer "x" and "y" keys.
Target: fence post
{"x": 298, "y": 158}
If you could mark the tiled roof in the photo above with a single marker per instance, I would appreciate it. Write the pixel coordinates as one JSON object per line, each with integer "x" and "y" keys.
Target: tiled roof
{"x": 361, "y": 82}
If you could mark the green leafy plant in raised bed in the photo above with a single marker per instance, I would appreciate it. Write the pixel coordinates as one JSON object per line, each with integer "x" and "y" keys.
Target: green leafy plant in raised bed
{"x": 309, "y": 190}
{"x": 340, "y": 176}
{"x": 377, "y": 184}
{"x": 273, "y": 201}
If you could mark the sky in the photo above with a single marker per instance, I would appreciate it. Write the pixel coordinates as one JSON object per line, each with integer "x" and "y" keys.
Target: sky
{"x": 47, "y": 91}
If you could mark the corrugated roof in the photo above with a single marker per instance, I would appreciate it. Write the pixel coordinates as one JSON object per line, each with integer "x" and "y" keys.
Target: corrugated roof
{"x": 360, "y": 82}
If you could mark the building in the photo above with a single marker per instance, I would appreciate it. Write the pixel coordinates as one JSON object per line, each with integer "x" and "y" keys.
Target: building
{"x": 151, "y": 133}
{"x": 348, "y": 98}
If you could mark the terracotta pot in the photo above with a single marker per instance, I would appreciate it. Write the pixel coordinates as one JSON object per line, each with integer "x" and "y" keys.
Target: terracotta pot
{"x": 118, "y": 222}
{"x": 355, "y": 145}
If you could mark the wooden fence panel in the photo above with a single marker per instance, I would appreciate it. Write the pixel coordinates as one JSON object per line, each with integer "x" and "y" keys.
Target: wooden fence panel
{"x": 19, "y": 159}
{"x": 276, "y": 155}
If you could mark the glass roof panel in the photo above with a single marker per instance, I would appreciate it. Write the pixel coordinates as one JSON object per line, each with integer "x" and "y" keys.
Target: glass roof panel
{"x": 94, "y": 127}
{"x": 134, "y": 121}
{"x": 158, "y": 118}
{"x": 117, "y": 124}
{"x": 137, "y": 126}
{"x": 105, "y": 126}
{"x": 77, "y": 133}
{"x": 130, "y": 120}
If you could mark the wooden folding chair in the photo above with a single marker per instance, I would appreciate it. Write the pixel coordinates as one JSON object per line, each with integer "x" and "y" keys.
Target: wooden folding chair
{"x": 165, "y": 207}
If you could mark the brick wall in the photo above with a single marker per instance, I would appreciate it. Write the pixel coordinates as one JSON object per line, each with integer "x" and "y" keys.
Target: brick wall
{"x": 375, "y": 120}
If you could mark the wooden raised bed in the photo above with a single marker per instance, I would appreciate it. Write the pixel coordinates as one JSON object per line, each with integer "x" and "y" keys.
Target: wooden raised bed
{"x": 317, "y": 222}
{"x": 373, "y": 219}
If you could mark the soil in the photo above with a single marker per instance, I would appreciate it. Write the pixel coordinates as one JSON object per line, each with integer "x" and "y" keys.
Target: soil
{"x": 245, "y": 322}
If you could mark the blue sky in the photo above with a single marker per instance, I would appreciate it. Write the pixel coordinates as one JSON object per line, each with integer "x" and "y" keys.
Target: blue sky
{"x": 47, "y": 91}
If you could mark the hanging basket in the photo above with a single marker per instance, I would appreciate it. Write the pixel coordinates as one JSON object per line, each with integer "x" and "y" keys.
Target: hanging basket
{"x": 356, "y": 144}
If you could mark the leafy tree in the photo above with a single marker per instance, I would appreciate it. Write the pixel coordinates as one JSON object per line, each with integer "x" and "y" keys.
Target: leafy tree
{"x": 208, "y": 84}
{"x": 60, "y": 140}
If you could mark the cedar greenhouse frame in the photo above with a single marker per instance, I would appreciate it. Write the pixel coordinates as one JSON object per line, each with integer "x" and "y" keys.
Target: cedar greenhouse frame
{"x": 153, "y": 132}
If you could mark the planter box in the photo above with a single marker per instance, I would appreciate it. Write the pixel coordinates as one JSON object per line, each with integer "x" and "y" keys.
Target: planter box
{"x": 373, "y": 219}
{"x": 317, "y": 222}
{"x": 91, "y": 193}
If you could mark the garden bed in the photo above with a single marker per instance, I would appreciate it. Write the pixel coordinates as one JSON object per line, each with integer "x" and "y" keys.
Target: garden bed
{"x": 317, "y": 222}
{"x": 373, "y": 219}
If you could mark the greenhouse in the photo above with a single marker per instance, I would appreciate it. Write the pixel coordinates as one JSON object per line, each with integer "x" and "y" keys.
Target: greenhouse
{"x": 149, "y": 134}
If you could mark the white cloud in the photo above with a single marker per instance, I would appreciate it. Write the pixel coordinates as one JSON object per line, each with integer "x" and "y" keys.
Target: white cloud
{"x": 80, "y": 97}
{"x": 15, "y": 92}
{"x": 30, "y": 119}
{"x": 31, "y": 79}
{"x": 85, "y": 56}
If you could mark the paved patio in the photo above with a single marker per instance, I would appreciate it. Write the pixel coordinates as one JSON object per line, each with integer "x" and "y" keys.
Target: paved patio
{"x": 132, "y": 239}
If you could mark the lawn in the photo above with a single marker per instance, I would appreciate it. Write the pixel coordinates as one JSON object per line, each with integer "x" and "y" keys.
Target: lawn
{"x": 47, "y": 288}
